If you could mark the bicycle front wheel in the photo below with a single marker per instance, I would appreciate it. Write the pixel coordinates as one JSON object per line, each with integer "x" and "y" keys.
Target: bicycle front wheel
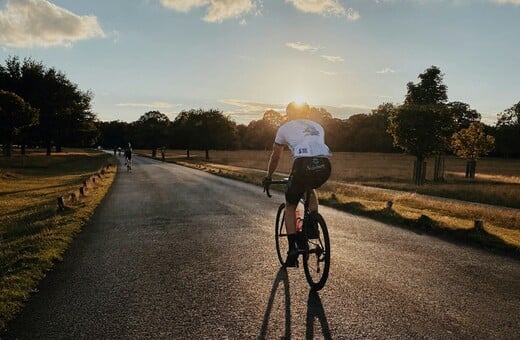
{"x": 317, "y": 262}
{"x": 280, "y": 235}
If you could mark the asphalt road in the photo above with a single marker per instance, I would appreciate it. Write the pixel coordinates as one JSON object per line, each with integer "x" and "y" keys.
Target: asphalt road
{"x": 175, "y": 253}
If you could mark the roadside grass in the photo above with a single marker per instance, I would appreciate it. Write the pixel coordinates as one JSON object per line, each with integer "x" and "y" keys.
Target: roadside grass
{"x": 433, "y": 209}
{"x": 33, "y": 233}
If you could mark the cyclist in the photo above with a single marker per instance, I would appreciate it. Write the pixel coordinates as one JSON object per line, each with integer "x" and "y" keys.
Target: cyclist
{"x": 128, "y": 155}
{"x": 310, "y": 169}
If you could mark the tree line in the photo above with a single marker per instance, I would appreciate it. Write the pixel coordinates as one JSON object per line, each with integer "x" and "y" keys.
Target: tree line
{"x": 39, "y": 106}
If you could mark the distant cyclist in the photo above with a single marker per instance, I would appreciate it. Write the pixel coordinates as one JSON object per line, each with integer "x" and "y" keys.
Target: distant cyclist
{"x": 310, "y": 170}
{"x": 128, "y": 156}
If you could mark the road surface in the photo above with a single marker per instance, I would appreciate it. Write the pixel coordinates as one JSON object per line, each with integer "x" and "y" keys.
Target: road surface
{"x": 175, "y": 253}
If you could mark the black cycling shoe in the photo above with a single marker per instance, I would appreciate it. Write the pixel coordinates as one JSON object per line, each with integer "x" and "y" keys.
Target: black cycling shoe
{"x": 292, "y": 258}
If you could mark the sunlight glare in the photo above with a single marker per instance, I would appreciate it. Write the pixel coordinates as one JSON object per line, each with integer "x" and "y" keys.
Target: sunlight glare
{"x": 299, "y": 99}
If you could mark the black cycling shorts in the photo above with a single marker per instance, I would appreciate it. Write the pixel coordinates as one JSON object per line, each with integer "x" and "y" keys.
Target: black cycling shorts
{"x": 307, "y": 173}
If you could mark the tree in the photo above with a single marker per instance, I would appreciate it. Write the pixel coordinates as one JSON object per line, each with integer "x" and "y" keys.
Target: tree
{"x": 63, "y": 108}
{"x": 205, "y": 130}
{"x": 423, "y": 124}
{"x": 215, "y": 131}
{"x": 183, "y": 130}
{"x": 15, "y": 114}
{"x": 151, "y": 130}
{"x": 463, "y": 115}
{"x": 430, "y": 90}
{"x": 508, "y": 131}
{"x": 471, "y": 143}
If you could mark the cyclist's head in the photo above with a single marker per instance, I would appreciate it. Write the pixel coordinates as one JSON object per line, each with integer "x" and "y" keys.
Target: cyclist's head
{"x": 297, "y": 111}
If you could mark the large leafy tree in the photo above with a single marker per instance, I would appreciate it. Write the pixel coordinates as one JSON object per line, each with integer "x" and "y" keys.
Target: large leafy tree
{"x": 368, "y": 132}
{"x": 204, "y": 129}
{"x": 65, "y": 114}
{"x": 215, "y": 131}
{"x": 471, "y": 143}
{"x": 423, "y": 124}
{"x": 463, "y": 115}
{"x": 15, "y": 114}
{"x": 151, "y": 130}
{"x": 183, "y": 131}
{"x": 113, "y": 134}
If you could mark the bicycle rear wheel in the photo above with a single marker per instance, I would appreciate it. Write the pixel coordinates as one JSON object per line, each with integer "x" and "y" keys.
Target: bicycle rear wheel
{"x": 280, "y": 235}
{"x": 317, "y": 262}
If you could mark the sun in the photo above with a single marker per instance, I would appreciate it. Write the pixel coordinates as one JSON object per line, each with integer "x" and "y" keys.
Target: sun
{"x": 299, "y": 99}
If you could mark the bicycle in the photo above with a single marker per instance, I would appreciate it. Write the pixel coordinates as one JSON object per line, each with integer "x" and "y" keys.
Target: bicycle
{"x": 313, "y": 243}
{"x": 128, "y": 163}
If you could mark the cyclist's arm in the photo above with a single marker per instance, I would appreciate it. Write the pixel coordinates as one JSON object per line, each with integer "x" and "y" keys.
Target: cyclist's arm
{"x": 274, "y": 159}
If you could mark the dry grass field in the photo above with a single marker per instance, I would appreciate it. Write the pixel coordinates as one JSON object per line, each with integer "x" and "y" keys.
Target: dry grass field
{"x": 497, "y": 181}
{"x": 33, "y": 233}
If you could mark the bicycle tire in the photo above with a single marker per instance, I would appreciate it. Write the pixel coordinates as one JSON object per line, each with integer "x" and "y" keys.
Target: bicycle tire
{"x": 280, "y": 235}
{"x": 319, "y": 251}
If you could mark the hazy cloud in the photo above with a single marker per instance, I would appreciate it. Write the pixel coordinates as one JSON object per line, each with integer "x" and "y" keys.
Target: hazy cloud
{"x": 153, "y": 105}
{"x": 333, "y": 59}
{"x": 302, "y": 47}
{"x": 217, "y": 10}
{"x": 386, "y": 70}
{"x": 325, "y": 8}
{"x": 28, "y": 23}
{"x": 512, "y": 2}
{"x": 246, "y": 106}
{"x": 328, "y": 73}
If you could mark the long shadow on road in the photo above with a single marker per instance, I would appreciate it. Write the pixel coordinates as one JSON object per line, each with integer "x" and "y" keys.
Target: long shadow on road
{"x": 281, "y": 277}
{"x": 314, "y": 310}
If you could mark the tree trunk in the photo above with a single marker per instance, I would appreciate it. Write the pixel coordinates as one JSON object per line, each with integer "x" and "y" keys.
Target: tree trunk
{"x": 471, "y": 167}
{"x": 438, "y": 172}
{"x": 419, "y": 171}
{"x": 188, "y": 153}
{"x": 207, "y": 154}
{"x": 7, "y": 149}
{"x": 154, "y": 152}
{"x": 23, "y": 149}
{"x": 49, "y": 148}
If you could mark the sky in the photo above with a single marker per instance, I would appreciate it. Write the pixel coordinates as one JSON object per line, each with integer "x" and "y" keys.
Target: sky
{"x": 244, "y": 57}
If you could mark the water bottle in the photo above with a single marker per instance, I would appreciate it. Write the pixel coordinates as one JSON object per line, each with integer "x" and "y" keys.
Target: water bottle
{"x": 299, "y": 221}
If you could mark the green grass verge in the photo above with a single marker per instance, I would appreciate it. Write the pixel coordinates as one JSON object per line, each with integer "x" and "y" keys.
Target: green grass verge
{"x": 34, "y": 234}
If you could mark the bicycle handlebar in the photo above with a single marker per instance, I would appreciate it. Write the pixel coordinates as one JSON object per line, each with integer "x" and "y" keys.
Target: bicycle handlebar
{"x": 269, "y": 182}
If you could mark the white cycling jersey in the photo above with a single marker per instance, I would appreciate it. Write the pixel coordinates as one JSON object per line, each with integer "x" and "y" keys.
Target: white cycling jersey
{"x": 305, "y": 138}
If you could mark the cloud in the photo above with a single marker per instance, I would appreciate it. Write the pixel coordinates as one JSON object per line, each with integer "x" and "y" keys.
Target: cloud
{"x": 386, "y": 70}
{"x": 246, "y": 106}
{"x": 154, "y": 105}
{"x": 217, "y": 10}
{"x": 325, "y": 8}
{"x": 302, "y": 47}
{"x": 512, "y": 2}
{"x": 332, "y": 59}
{"x": 328, "y": 73}
{"x": 30, "y": 23}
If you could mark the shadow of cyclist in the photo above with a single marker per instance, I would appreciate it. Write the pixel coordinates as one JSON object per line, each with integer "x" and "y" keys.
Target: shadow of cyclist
{"x": 281, "y": 277}
{"x": 315, "y": 311}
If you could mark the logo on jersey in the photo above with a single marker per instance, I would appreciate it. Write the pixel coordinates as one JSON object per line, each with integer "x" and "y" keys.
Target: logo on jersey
{"x": 311, "y": 131}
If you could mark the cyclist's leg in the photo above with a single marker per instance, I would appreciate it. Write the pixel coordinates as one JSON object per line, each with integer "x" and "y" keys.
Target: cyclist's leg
{"x": 295, "y": 190}
{"x": 313, "y": 201}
